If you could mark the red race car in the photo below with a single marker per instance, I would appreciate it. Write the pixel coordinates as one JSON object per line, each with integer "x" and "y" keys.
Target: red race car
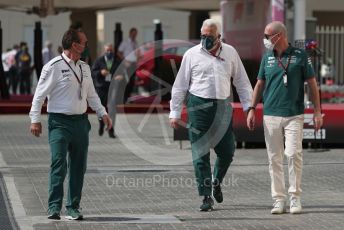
{"x": 172, "y": 54}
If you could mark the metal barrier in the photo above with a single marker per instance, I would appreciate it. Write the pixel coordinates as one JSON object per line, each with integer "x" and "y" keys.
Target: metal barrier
{"x": 331, "y": 42}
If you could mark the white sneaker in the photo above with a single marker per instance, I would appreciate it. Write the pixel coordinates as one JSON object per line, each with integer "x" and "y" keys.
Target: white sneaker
{"x": 279, "y": 207}
{"x": 295, "y": 205}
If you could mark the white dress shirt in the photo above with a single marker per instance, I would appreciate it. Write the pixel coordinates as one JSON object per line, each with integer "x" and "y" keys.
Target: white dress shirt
{"x": 5, "y": 65}
{"x": 47, "y": 55}
{"x": 207, "y": 76}
{"x": 58, "y": 83}
{"x": 128, "y": 48}
{"x": 8, "y": 59}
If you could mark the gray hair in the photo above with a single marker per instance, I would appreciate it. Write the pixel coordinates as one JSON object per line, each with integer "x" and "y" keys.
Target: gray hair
{"x": 48, "y": 43}
{"x": 107, "y": 45}
{"x": 212, "y": 22}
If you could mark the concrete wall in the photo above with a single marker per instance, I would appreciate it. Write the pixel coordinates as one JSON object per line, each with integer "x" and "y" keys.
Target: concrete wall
{"x": 319, "y": 12}
{"x": 323, "y": 5}
{"x": 175, "y": 24}
{"x": 329, "y": 12}
{"x": 18, "y": 27}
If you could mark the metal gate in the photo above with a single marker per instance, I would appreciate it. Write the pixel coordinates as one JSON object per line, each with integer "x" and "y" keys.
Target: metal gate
{"x": 331, "y": 42}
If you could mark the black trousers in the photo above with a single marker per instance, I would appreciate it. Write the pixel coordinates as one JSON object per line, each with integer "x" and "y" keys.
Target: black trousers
{"x": 131, "y": 71}
{"x": 103, "y": 96}
{"x": 13, "y": 79}
{"x": 25, "y": 81}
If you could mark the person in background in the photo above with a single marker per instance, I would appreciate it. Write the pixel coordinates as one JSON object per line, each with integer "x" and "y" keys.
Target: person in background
{"x": 327, "y": 72}
{"x": 85, "y": 55}
{"x": 6, "y": 67}
{"x": 14, "y": 79}
{"x": 103, "y": 70}
{"x": 282, "y": 73}
{"x": 129, "y": 52}
{"x": 23, "y": 60}
{"x": 59, "y": 50}
{"x": 47, "y": 52}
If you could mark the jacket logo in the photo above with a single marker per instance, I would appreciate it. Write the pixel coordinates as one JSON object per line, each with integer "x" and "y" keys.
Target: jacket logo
{"x": 65, "y": 70}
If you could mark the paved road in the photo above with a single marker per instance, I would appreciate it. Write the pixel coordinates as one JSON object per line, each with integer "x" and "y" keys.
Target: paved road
{"x": 144, "y": 181}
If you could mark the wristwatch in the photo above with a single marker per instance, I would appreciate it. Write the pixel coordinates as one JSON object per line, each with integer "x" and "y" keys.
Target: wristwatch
{"x": 249, "y": 108}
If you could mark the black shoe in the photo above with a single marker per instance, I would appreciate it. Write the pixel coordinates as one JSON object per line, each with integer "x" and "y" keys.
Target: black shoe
{"x": 207, "y": 205}
{"x": 54, "y": 214}
{"x": 112, "y": 135}
{"x": 101, "y": 131}
{"x": 101, "y": 128}
{"x": 217, "y": 193}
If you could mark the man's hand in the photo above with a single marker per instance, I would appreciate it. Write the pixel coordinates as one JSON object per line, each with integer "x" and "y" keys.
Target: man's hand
{"x": 318, "y": 121}
{"x": 36, "y": 129}
{"x": 174, "y": 123}
{"x": 251, "y": 119}
{"x": 104, "y": 72}
{"x": 314, "y": 95}
{"x": 107, "y": 121}
{"x": 118, "y": 77}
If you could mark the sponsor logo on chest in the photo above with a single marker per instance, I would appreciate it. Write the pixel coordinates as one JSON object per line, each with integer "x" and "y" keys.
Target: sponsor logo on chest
{"x": 293, "y": 59}
{"x": 271, "y": 62}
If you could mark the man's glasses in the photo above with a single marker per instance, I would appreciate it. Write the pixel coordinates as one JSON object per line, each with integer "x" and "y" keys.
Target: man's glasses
{"x": 205, "y": 36}
{"x": 85, "y": 44}
{"x": 268, "y": 36}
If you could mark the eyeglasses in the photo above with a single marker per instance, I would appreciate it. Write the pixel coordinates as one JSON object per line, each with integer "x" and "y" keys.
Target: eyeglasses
{"x": 205, "y": 36}
{"x": 84, "y": 45}
{"x": 268, "y": 36}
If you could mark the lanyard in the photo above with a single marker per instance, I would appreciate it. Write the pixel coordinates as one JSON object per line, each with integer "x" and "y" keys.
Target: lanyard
{"x": 281, "y": 64}
{"x": 285, "y": 77}
{"x": 109, "y": 63}
{"x": 76, "y": 76}
{"x": 216, "y": 56}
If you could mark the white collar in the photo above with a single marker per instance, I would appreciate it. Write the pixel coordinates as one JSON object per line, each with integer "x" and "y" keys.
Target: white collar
{"x": 70, "y": 60}
{"x": 131, "y": 40}
{"x": 218, "y": 51}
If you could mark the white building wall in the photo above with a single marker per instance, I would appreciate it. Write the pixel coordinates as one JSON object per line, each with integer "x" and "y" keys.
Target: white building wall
{"x": 175, "y": 24}
{"x": 18, "y": 27}
{"x": 323, "y": 5}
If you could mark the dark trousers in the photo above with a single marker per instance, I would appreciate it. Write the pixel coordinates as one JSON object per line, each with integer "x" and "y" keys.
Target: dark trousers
{"x": 67, "y": 133}
{"x": 3, "y": 86}
{"x": 14, "y": 78}
{"x": 103, "y": 96}
{"x": 25, "y": 81}
{"x": 130, "y": 87}
{"x": 7, "y": 77}
{"x": 210, "y": 127}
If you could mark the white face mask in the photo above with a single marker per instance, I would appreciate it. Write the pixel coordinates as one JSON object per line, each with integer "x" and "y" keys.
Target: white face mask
{"x": 268, "y": 44}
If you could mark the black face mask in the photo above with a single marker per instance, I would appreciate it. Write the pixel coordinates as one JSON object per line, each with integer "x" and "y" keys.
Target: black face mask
{"x": 109, "y": 55}
{"x": 207, "y": 42}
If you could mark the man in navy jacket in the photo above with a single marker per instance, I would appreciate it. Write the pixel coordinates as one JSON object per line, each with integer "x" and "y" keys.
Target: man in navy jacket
{"x": 103, "y": 71}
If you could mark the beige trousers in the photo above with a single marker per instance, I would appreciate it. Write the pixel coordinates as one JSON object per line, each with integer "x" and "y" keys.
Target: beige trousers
{"x": 280, "y": 132}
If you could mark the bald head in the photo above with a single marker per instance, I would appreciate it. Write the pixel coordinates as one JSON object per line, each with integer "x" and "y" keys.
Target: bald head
{"x": 276, "y": 32}
{"x": 276, "y": 27}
